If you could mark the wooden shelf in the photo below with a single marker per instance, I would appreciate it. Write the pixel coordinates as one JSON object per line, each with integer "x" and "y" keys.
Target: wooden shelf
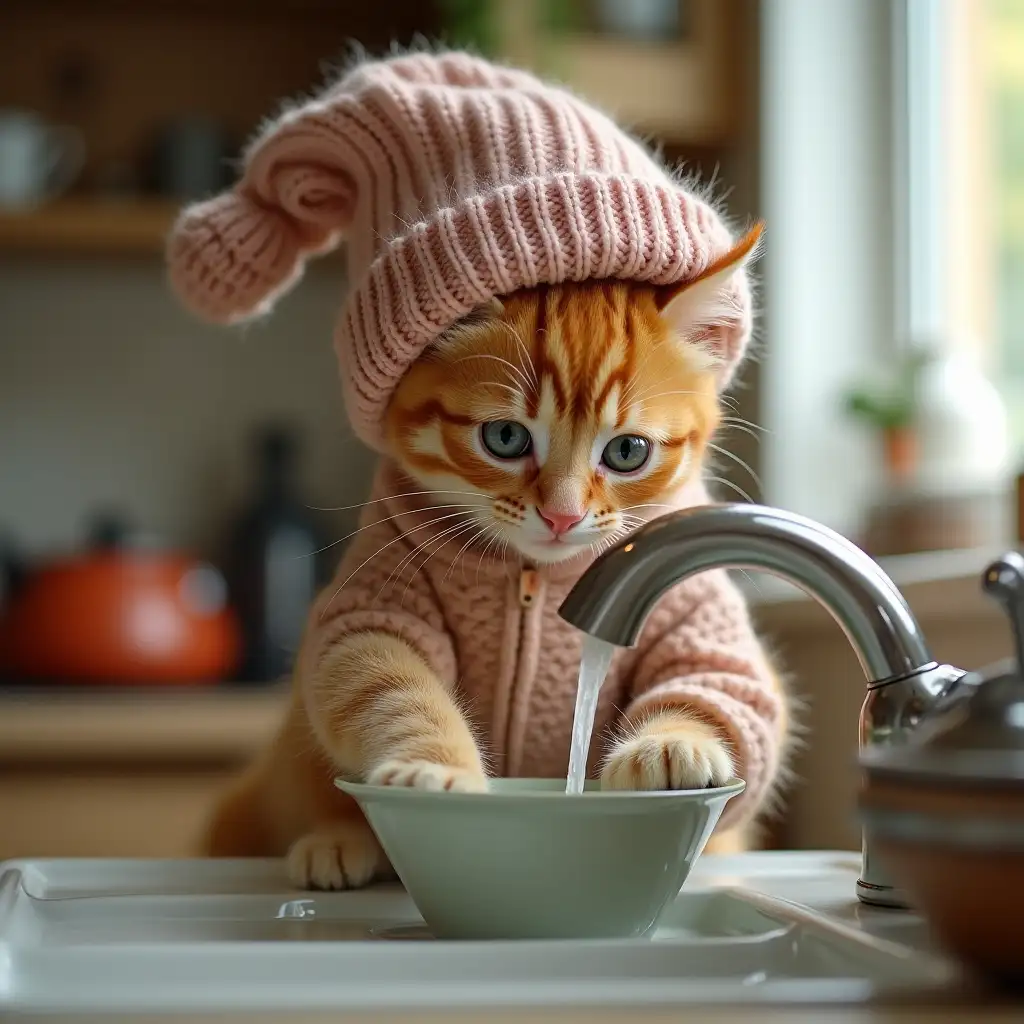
{"x": 102, "y": 227}
{"x": 145, "y": 724}
{"x": 673, "y": 92}
{"x": 684, "y": 93}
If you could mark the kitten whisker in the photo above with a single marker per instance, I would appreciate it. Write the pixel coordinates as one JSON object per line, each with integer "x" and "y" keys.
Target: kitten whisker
{"x": 607, "y": 542}
{"x": 442, "y": 538}
{"x": 382, "y": 548}
{"x": 396, "y": 573}
{"x": 735, "y": 487}
{"x": 483, "y": 532}
{"x": 646, "y": 394}
{"x": 634, "y": 522}
{"x": 493, "y": 542}
{"x": 408, "y": 512}
{"x": 741, "y": 424}
{"x": 457, "y": 531}
{"x": 750, "y": 579}
{"x": 518, "y": 392}
{"x": 725, "y": 428}
{"x": 661, "y": 394}
{"x": 480, "y": 532}
{"x": 392, "y": 497}
{"x": 519, "y": 375}
{"x": 738, "y": 461}
{"x": 526, "y": 352}
{"x": 648, "y": 504}
{"x": 637, "y": 374}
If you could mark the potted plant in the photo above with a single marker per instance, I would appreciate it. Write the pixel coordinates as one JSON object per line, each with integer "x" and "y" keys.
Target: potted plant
{"x": 891, "y": 409}
{"x": 478, "y": 25}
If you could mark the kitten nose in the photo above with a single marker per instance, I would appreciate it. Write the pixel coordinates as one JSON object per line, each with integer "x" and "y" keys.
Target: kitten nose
{"x": 560, "y": 522}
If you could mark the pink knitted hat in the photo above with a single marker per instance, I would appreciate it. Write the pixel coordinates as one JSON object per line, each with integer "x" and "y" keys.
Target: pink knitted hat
{"x": 451, "y": 180}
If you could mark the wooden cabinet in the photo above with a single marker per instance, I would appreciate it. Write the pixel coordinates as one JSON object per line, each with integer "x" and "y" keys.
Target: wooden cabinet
{"x": 122, "y": 73}
{"x": 686, "y": 91}
{"x": 72, "y": 810}
{"x": 121, "y": 775}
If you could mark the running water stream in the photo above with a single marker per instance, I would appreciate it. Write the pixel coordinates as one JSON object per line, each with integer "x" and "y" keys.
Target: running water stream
{"x": 595, "y": 660}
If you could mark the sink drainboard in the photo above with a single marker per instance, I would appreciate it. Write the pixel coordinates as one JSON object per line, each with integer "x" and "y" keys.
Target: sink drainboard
{"x": 222, "y": 936}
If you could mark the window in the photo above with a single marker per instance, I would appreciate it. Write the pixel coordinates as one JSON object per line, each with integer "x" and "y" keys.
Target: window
{"x": 984, "y": 106}
{"x": 893, "y": 189}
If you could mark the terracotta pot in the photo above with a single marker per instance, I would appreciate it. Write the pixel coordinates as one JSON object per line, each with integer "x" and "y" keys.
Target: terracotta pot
{"x": 899, "y": 448}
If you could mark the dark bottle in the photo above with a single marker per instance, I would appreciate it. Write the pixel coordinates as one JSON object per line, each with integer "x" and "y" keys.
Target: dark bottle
{"x": 273, "y": 566}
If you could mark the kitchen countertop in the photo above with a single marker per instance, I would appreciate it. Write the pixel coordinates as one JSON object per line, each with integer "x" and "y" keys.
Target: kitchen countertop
{"x": 188, "y": 723}
{"x": 822, "y": 879}
{"x": 945, "y": 1014}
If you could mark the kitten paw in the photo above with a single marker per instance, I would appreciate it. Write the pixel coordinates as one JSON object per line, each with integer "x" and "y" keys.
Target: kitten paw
{"x": 668, "y": 761}
{"x": 342, "y": 856}
{"x": 427, "y": 775}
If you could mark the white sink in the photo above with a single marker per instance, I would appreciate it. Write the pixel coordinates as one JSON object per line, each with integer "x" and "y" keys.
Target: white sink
{"x": 183, "y": 937}
{"x": 820, "y": 883}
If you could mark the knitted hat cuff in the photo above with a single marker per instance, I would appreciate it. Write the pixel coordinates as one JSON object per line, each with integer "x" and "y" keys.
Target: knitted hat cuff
{"x": 562, "y": 227}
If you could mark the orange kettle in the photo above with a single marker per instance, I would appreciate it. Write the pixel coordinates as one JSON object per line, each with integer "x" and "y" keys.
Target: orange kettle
{"x": 121, "y": 612}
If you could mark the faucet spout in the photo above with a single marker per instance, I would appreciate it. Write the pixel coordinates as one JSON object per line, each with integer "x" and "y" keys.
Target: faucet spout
{"x": 613, "y": 598}
{"x": 615, "y": 595}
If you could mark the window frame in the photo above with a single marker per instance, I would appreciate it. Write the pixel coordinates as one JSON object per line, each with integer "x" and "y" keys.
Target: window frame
{"x": 852, "y": 99}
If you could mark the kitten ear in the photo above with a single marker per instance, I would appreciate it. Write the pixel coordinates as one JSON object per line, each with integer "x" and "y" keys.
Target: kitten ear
{"x": 710, "y": 301}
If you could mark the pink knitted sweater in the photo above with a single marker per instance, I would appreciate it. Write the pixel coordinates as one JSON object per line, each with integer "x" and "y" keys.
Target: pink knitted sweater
{"x": 491, "y": 630}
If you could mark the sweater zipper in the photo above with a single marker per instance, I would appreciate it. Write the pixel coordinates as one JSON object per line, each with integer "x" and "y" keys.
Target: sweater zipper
{"x": 529, "y": 591}
{"x": 529, "y": 586}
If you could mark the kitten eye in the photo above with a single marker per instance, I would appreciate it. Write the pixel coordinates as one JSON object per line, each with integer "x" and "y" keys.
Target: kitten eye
{"x": 506, "y": 439}
{"x": 626, "y": 453}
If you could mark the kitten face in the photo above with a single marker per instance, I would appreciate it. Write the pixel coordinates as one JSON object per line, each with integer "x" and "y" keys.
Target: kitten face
{"x": 562, "y": 417}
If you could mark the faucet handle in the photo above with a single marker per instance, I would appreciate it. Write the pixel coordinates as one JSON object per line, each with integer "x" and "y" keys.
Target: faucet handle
{"x": 1004, "y": 580}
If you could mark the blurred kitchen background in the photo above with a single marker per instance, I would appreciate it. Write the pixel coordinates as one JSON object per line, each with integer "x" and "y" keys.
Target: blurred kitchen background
{"x": 177, "y": 478}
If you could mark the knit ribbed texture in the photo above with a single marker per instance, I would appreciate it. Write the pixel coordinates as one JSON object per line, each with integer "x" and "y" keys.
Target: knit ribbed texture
{"x": 515, "y": 671}
{"x": 452, "y": 181}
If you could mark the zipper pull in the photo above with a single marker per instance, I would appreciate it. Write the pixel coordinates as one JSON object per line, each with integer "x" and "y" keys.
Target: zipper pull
{"x": 529, "y": 587}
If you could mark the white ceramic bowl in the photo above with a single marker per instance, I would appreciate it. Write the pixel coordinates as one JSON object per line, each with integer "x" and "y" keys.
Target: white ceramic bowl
{"x": 525, "y": 860}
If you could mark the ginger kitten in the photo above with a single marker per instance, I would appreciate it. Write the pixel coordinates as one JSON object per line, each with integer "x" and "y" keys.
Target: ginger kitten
{"x": 532, "y": 434}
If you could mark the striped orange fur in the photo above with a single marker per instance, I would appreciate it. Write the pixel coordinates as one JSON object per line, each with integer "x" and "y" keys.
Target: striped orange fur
{"x": 577, "y": 365}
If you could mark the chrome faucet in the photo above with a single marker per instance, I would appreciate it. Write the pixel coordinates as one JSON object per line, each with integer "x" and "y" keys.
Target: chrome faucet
{"x": 905, "y": 684}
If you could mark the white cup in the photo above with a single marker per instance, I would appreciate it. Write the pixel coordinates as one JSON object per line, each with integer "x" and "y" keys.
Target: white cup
{"x": 37, "y": 161}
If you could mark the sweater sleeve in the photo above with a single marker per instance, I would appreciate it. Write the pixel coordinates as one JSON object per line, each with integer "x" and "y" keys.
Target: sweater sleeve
{"x": 378, "y": 588}
{"x": 698, "y": 651}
